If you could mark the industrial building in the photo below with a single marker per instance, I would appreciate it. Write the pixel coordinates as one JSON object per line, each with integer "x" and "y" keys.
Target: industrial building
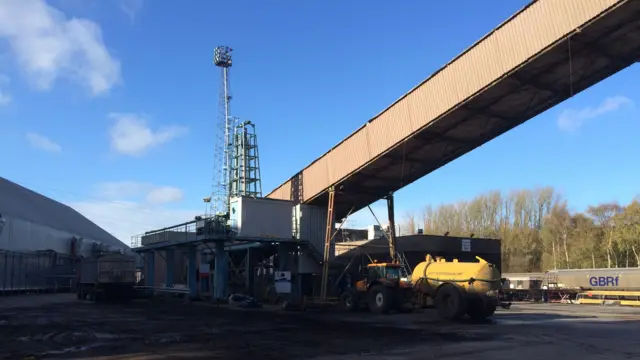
{"x": 517, "y": 71}
{"x": 40, "y": 237}
{"x": 415, "y": 247}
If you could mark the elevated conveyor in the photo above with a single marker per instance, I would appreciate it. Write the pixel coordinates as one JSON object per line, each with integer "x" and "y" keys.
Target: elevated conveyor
{"x": 547, "y": 52}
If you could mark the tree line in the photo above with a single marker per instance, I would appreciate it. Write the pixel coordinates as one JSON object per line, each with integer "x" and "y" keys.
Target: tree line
{"x": 538, "y": 231}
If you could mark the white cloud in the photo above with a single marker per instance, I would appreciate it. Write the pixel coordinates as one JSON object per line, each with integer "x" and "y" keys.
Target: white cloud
{"x": 571, "y": 120}
{"x": 43, "y": 143}
{"x": 48, "y": 46}
{"x": 131, "y": 8}
{"x": 128, "y": 208}
{"x": 165, "y": 194}
{"x": 124, "y": 219}
{"x": 130, "y": 135}
{"x": 152, "y": 194}
{"x": 5, "y": 98}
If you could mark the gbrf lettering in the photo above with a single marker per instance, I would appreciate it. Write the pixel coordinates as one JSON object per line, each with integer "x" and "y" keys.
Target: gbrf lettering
{"x": 604, "y": 280}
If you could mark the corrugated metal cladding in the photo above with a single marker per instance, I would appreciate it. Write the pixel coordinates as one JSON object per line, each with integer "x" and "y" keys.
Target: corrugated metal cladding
{"x": 29, "y": 271}
{"x": 36, "y": 222}
{"x": 505, "y": 49}
{"x": 261, "y": 218}
{"x": 310, "y": 224}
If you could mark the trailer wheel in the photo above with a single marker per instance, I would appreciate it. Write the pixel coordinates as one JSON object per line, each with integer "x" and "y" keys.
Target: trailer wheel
{"x": 379, "y": 299}
{"x": 349, "y": 300}
{"x": 450, "y": 302}
{"x": 480, "y": 308}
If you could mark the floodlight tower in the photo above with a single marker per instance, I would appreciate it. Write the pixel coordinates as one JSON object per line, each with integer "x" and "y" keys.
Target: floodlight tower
{"x": 219, "y": 204}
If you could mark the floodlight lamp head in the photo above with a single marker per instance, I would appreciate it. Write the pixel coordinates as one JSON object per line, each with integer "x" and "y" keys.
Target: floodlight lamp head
{"x": 222, "y": 56}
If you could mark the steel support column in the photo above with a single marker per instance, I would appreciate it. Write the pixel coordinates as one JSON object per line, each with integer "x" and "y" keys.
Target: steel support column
{"x": 170, "y": 259}
{"x": 221, "y": 273}
{"x": 392, "y": 228}
{"x": 192, "y": 268}
{"x": 327, "y": 245}
{"x": 150, "y": 278}
{"x": 249, "y": 270}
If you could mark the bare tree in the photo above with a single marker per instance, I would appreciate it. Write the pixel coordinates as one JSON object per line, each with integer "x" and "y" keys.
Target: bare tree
{"x": 538, "y": 231}
{"x": 604, "y": 216}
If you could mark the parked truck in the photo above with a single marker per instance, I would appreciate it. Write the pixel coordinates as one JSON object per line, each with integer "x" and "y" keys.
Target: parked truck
{"x": 106, "y": 277}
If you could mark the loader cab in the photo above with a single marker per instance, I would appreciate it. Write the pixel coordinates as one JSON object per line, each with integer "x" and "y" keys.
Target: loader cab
{"x": 383, "y": 272}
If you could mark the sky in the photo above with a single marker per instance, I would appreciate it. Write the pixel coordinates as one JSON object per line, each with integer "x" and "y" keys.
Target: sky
{"x": 110, "y": 106}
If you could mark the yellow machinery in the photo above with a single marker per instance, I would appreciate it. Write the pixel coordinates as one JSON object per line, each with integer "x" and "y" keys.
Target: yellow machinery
{"x": 381, "y": 290}
{"x": 457, "y": 288}
{"x": 624, "y": 298}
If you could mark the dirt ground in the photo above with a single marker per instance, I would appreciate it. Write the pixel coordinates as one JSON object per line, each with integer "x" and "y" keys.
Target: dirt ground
{"x": 58, "y": 326}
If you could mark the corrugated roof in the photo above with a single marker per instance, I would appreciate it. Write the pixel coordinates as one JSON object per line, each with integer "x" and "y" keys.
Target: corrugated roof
{"x": 20, "y": 202}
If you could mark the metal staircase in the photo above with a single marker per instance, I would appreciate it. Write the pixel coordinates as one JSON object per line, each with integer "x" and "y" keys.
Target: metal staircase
{"x": 405, "y": 269}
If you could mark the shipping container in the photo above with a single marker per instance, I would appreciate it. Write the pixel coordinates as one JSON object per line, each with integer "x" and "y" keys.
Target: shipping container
{"x": 261, "y": 218}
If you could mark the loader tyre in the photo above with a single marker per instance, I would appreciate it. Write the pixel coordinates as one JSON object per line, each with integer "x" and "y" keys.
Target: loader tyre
{"x": 450, "y": 302}
{"x": 380, "y": 299}
{"x": 349, "y": 301}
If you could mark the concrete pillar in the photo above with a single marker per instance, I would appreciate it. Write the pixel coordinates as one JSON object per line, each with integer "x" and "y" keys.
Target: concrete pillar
{"x": 192, "y": 268}
{"x": 171, "y": 258}
{"x": 221, "y": 274}
{"x": 150, "y": 278}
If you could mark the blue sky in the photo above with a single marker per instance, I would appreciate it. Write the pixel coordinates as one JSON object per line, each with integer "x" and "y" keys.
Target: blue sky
{"x": 110, "y": 106}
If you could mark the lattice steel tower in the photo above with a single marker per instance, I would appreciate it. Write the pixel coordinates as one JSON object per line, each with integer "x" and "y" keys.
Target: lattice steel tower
{"x": 219, "y": 201}
{"x": 245, "y": 163}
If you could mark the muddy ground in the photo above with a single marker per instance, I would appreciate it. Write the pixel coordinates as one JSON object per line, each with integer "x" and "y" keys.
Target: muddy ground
{"x": 58, "y": 326}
